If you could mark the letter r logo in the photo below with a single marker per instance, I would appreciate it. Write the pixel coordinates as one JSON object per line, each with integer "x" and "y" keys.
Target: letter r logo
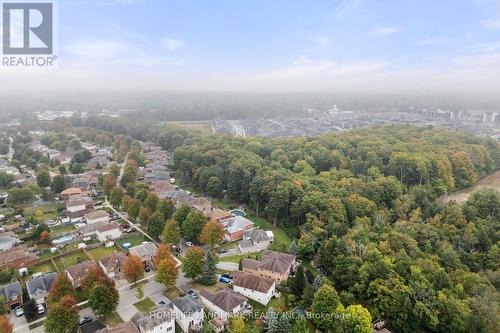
{"x": 27, "y": 28}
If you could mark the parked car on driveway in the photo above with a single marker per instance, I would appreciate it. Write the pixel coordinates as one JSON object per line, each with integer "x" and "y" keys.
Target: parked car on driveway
{"x": 224, "y": 279}
{"x": 19, "y": 311}
{"x": 192, "y": 294}
{"x": 40, "y": 309}
{"x": 84, "y": 320}
{"x": 189, "y": 244}
{"x": 228, "y": 276}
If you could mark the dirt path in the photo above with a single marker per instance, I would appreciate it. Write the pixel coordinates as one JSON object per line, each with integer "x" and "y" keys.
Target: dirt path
{"x": 492, "y": 181}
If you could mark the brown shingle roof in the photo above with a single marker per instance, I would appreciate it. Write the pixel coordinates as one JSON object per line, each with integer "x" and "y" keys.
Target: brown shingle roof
{"x": 79, "y": 270}
{"x": 10, "y": 256}
{"x": 276, "y": 261}
{"x": 107, "y": 227}
{"x": 224, "y": 298}
{"x": 113, "y": 261}
{"x": 96, "y": 214}
{"x": 127, "y": 327}
{"x": 252, "y": 282}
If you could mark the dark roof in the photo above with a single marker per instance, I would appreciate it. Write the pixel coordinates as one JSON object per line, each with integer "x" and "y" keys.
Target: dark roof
{"x": 252, "y": 282}
{"x": 224, "y": 298}
{"x": 43, "y": 283}
{"x": 127, "y": 327}
{"x": 79, "y": 270}
{"x": 187, "y": 305}
{"x": 11, "y": 289}
{"x": 114, "y": 260}
{"x": 92, "y": 327}
{"x": 271, "y": 261}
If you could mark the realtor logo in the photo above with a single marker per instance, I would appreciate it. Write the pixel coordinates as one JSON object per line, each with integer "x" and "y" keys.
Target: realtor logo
{"x": 28, "y": 33}
{"x": 27, "y": 28}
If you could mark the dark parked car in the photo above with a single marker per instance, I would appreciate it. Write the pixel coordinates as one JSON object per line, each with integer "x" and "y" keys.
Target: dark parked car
{"x": 84, "y": 320}
{"x": 228, "y": 275}
{"x": 222, "y": 251}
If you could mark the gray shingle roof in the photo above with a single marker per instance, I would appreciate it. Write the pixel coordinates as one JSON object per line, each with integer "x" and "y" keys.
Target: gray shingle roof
{"x": 42, "y": 283}
{"x": 11, "y": 289}
{"x": 158, "y": 315}
{"x": 224, "y": 298}
{"x": 187, "y": 305}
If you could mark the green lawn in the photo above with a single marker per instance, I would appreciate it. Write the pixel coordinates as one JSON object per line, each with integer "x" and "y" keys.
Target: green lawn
{"x": 46, "y": 209}
{"x": 100, "y": 252}
{"x": 224, "y": 204}
{"x": 47, "y": 267}
{"x": 145, "y": 305}
{"x": 62, "y": 229}
{"x": 135, "y": 238}
{"x": 47, "y": 216}
{"x": 236, "y": 258}
{"x": 70, "y": 260}
{"x": 112, "y": 320}
{"x": 281, "y": 239}
{"x": 172, "y": 293}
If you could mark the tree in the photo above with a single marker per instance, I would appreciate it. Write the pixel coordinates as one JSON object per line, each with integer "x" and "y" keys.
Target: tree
{"x": 58, "y": 184}
{"x": 209, "y": 275}
{"x": 151, "y": 201}
{"x": 43, "y": 178}
{"x": 144, "y": 214}
{"x": 212, "y": 233}
{"x": 181, "y": 214}
{"x": 114, "y": 170}
{"x": 156, "y": 224}
{"x": 166, "y": 271}
{"x": 172, "y": 232}
{"x": 116, "y": 196}
{"x": 4, "y": 309}
{"x": 163, "y": 252}
{"x": 356, "y": 319}
{"x": 30, "y": 310}
{"x": 5, "y": 179}
{"x": 214, "y": 186}
{"x": 298, "y": 282}
{"x": 324, "y": 307}
{"x": 60, "y": 287}
{"x": 62, "y": 317}
{"x": 103, "y": 299}
{"x": 108, "y": 184}
{"x": 293, "y": 249}
{"x": 300, "y": 325}
{"x": 236, "y": 324}
{"x": 133, "y": 208}
{"x": 93, "y": 277}
{"x": 166, "y": 207}
{"x": 193, "y": 225}
{"x": 192, "y": 263}
{"x": 317, "y": 283}
{"x": 45, "y": 236}
{"x": 5, "y": 325}
{"x": 133, "y": 268}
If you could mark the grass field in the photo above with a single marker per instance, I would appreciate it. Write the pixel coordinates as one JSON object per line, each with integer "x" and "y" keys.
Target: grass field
{"x": 70, "y": 260}
{"x": 172, "y": 293}
{"x": 236, "y": 259}
{"x": 145, "y": 305}
{"x": 46, "y": 268}
{"x": 100, "y": 252}
{"x": 112, "y": 320}
{"x": 62, "y": 229}
{"x": 46, "y": 209}
{"x": 135, "y": 238}
{"x": 281, "y": 239}
{"x": 491, "y": 181}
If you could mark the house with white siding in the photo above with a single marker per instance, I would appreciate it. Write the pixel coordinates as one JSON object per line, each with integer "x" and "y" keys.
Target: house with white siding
{"x": 260, "y": 289}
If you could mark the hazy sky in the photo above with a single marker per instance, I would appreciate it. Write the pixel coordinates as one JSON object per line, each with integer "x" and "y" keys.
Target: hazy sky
{"x": 273, "y": 45}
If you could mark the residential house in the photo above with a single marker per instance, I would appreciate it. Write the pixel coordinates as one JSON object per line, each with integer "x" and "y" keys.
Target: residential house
{"x": 175, "y": 195}
{"x": 224, "y": 303}
{"x": 188, "y": 313}
{"x": 201, "y": 204}
{"x": 108, "y": 231}
{"x": 160, "y": 188}
{"x": 235, "y": 226}
{"x": 79, "y": 206}
{"x": 274, "y": 265}
{"x": 77, "y": 273}
{"x": 8, "y": 240}
{"x": 112, "y": 265}
{"x": 12, "y": 293}
{"x": 159, "y": 320}
{"x": 127, "y": 327}
{"x": 145, "y": 251}
{"x": 97, "y": 216}
{"x": 38, "y": 287}
{"x": 218, "y": 214}
{"x": 260, "y": 289}
{"x": 73, "y": 192}
{"x": 254, "y": 241}
{"x": 17, "y": 257}
{"x": 89, "y": 230}
{"x": 97, "y": 162}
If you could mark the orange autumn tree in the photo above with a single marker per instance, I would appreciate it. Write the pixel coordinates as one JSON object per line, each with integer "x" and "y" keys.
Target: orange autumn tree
{"x": 44, "y": 236}
{"x": 61, "y": 287}
{"x": 133, "y": 268}
{"x": 5, "y": 325}
{"x": 212, "y": 233}
{"x": 166, "y": 271}
{"x": 163, "y": 252}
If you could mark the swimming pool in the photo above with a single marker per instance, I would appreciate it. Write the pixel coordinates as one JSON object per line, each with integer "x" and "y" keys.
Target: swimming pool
{"x": 63, "y": 239}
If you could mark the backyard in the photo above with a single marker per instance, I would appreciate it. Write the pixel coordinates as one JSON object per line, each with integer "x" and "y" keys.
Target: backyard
{"x": 100, "y": 252}
{"x": 134, "y": 238}
{"x": 281, "y": 240}
{"x": 70, "y": 260}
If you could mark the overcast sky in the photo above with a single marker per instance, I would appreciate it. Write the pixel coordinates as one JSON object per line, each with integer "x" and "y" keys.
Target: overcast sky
{"x": 385, "y": 46}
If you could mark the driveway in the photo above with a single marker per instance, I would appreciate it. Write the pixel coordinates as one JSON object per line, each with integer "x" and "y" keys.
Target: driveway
{"x": 126, "y": 308}
{"x": 228, "y": 266}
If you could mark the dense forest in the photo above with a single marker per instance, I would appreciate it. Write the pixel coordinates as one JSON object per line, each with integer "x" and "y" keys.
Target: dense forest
{"x": 364, "y": 207}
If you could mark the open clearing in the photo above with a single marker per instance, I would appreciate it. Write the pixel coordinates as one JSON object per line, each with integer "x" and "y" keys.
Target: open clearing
{"x": 492, "y": 181}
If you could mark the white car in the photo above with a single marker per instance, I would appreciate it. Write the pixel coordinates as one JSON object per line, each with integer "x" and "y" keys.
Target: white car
{"x": 189, "y": 244}
{"x": 40, "y": 309}
{"x": 19, "y": 311}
